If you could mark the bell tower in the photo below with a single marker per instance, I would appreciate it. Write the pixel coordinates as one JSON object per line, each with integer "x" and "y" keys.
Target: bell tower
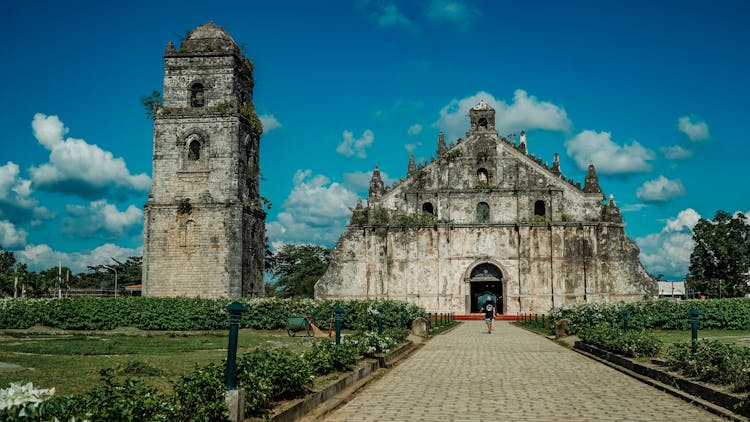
{"x": 204, "y": 228}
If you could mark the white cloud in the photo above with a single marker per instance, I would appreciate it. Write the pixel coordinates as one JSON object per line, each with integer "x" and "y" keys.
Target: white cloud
{"x": 608, "y": 156}
{"x": 360, "y": 180}
{"x": 76, "y": 167}
{"x": 660, "y": 189}
{"x": 316, "y": 211}
{"x": 42, "y": 257}
{"x": 452, "y": 12}
{"x": 352, "y": 146}
{"x": 695, "y": 129}
{"x": 411, "y": 147}
{"x": 676, "y": 152}
{"x": 269, "y": 122}
{"x": 525, "y": 112}
{"x": 632, "y": 207}
{"x": 102, "y": 220}
{"x": 16, "y": 202}
{"x": 415, "y": 129}
{"x": 668, "y": 251}
{"x": 389, "y": 15}
{"x": 10, "y": 236}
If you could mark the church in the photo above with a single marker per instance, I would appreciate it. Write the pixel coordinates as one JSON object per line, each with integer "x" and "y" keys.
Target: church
{"x": 486, "y": 221}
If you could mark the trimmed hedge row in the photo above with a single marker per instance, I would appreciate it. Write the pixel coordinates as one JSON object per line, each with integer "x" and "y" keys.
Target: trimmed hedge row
{"x": 730, "y": 314}
{"x": 182, "y": 314}
{"x": 632, "y": 343}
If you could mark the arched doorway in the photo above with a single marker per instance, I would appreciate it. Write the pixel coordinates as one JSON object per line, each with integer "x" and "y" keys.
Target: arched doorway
{"x": 486, "y": 283}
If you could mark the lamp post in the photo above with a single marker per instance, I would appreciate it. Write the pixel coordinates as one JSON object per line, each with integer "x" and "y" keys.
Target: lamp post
{"x": 113, "y": 269}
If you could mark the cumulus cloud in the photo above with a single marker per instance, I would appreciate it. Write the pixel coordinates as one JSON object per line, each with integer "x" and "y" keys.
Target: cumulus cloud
{"x": 79, "y": 168}
{"x": 269, "y": 122}
{"x": 525, "y": 112}
{"x": 676, "y": 152}
{"x": 668, "y": 251}
{"x": 42, "y": 257}
{"x": 415, "y": 129}
{"x": 608, "y": 156}
{"x": 10, "y": 236}
{"x": 16, "y": 201}
{"x": 360, "y": 180}
{"x": 390, "y": 15}
{"x": 316, "y": 211}
{"x": 350, "y": 145}
{"x": 412, "y": 146}
{"x": 452, "y": 12}
{"x": 101, "y": 219}
{"x": 660, "y": 189}
{"x": 695, "y": 129}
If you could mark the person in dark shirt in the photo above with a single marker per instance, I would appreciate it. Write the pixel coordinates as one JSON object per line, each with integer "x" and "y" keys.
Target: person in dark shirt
{"x": 489, "y": 315}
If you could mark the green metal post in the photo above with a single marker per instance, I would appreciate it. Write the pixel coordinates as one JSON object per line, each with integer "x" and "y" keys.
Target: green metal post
{"x": 235, "y": 310}
{"x": 403, "y": 316}
{"x": 536, "y": 320}
{"x": 625, "y": 313}
{"x": 543, "y": 321}
{"x": 694, "y": 332}
{"x": 380, "y": 320}
{"x": 337, "y": 311}
{"x": 591, "y": 317}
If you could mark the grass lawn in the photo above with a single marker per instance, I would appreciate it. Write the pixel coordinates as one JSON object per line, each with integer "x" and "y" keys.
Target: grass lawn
{"x": 738, "y": 337}
{"x": 70, "y": 361}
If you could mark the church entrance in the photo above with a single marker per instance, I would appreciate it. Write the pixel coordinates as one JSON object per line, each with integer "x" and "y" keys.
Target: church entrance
{"x": 486, "y": 281}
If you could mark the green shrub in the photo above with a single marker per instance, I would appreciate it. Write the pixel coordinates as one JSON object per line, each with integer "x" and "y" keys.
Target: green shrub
{"x": 633, "y": 343}
{"x": 714, "y": 362}
{"x": 324, "y": 356}
{"x": 199, "y": 396}
{"x": 730, "y": 314}
{"x": 151, "y": 313}
{"x": 269, "y": 375}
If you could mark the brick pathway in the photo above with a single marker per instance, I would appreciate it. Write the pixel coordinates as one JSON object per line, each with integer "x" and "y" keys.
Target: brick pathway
{"x": 510, "y": 375}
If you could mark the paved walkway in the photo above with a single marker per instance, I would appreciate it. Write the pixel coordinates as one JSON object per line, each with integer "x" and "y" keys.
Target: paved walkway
{"x": 510, "y": 375}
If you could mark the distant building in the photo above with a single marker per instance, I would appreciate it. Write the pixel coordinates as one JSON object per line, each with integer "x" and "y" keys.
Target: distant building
{"x": 486, "y": 220}
{"x": 672, "y": 289}
{"x": 204, "y": 228}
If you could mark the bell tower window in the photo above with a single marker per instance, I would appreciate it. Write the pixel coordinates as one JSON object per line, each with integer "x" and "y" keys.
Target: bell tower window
{"x": 483, "y": 176}
{"x": 194, "y": 150}
{"x": 197, "y": 95}
{"x": 482, "y": 123}
{"x": 428, "y": 209}
{"x": 483, "y": 212}
{"x": 540, "y": 211}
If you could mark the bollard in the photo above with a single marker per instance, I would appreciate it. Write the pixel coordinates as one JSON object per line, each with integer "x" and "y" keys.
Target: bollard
{"x": 536, "y": 320}
{"x": 694, "y": 332}
{"x": 591, "y": 317}
{"x": 429, "y": 321}
{"x": 403, "y": 316}
{"x": 625, "y": 314}
{"x": 380, "y": 320}
{"x": 543, "y": 321}
{"x": 235, "y": 310}
{"x": 337, "y": 311}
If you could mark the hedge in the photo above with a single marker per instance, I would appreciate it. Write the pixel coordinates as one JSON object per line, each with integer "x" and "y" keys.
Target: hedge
{"x": 182, "y": 314}
{"x": 729, "y": 314}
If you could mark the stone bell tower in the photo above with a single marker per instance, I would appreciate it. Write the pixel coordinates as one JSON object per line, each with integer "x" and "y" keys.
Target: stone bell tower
{"x": 204, "y": 222}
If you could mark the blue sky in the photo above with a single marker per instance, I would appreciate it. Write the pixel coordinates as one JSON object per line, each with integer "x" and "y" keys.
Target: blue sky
{"x": 655, "y": 93}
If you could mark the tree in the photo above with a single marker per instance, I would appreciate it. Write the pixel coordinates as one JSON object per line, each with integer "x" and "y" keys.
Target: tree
{"x": 720, "y": 261}
{"x": 296, "y": 268}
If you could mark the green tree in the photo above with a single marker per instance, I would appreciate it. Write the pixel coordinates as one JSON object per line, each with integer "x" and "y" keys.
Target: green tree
{"x": 720, "y": 261}
{"x": 296, "y": 268}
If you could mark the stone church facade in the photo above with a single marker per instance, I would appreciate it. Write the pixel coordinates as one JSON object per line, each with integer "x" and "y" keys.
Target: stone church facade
{"x": 204, "y": 223}
{"x": 486, "y": 220}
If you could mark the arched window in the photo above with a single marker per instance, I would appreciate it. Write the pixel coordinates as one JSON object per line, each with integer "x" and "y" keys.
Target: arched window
{"x": 482, "y": 122}
{"x": 428, "y": 209}
{"x": 483, "y": 176}
{"x": 197, "y": 95}
{"x": 539, "y": 211}
{"x": 194, "y": 150}
{"x": 483, "y": 212}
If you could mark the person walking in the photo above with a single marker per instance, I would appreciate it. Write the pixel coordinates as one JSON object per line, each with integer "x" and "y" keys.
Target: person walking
{"x": 489, "y": 315}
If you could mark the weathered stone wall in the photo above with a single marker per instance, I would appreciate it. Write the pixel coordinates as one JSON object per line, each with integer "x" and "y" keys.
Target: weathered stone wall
{"x": 541, "y": 265}
{"x": 485, "y": 202}
{"x": 204, "y": 224}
